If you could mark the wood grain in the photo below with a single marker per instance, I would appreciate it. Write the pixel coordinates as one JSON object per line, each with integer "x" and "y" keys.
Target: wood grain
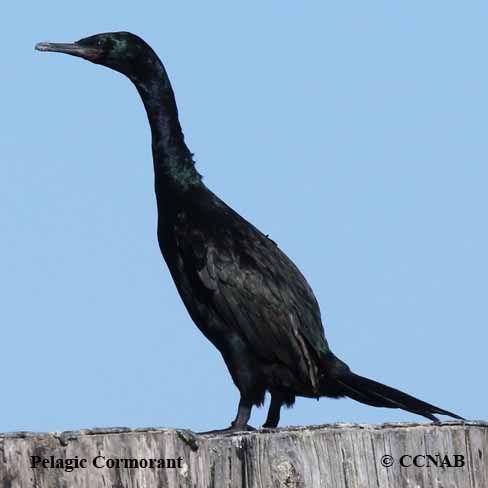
{"x": 338, "y": 456}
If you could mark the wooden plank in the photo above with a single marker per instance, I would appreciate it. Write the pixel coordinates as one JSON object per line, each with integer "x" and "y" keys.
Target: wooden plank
{"x": 335, "y": 456}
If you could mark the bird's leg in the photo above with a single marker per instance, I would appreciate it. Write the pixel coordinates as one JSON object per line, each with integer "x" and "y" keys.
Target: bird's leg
{"x": 274, "y": 411}
{"x": 240, "y": 422}
{"x": 242, "y": 417}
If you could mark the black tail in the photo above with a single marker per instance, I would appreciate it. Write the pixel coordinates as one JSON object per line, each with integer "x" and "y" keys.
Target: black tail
{"x": 373, "y": 393}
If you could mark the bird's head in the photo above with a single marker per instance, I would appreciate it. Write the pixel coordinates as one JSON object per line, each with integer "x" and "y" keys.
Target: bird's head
{"x": 121, "y": 51}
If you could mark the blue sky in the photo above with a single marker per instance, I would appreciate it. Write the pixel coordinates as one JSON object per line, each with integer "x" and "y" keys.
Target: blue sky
{"x": 353, "y": 133}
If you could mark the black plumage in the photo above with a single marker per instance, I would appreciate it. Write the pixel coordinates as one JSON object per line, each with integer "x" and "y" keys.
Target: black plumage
{"x": 241, "y": 290}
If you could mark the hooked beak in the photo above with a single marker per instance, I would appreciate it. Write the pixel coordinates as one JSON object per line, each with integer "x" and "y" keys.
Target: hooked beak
{"x": 75, "y": 49}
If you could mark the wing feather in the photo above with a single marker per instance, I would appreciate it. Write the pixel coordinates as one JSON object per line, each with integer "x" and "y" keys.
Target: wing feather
{"x": 260, "y": 294}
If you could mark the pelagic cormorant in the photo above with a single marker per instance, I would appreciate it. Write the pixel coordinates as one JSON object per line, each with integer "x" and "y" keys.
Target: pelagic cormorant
{"x": 240, "y": 289}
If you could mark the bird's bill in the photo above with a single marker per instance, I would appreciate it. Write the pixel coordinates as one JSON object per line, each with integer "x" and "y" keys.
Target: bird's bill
{"x": 75, "y": 49}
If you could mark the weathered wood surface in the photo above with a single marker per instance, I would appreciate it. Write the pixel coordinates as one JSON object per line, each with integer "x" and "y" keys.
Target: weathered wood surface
{"x": 339, "y": 456}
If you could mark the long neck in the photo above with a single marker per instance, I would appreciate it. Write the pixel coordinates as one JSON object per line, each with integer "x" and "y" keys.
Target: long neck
{"x": 173, "y": 163}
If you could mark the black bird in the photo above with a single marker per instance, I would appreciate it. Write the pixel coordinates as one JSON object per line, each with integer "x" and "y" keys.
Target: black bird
{"x": 243, "y": 293}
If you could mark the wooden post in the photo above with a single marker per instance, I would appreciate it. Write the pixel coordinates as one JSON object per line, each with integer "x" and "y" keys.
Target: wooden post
{"x": 452, "y": 454}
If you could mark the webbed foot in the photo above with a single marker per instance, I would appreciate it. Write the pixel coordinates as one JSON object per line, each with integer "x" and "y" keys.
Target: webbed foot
{"x": 230, "y": 430}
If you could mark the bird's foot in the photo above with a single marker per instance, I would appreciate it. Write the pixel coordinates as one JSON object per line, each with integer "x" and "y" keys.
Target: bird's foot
{"x": 230, "y": 430}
